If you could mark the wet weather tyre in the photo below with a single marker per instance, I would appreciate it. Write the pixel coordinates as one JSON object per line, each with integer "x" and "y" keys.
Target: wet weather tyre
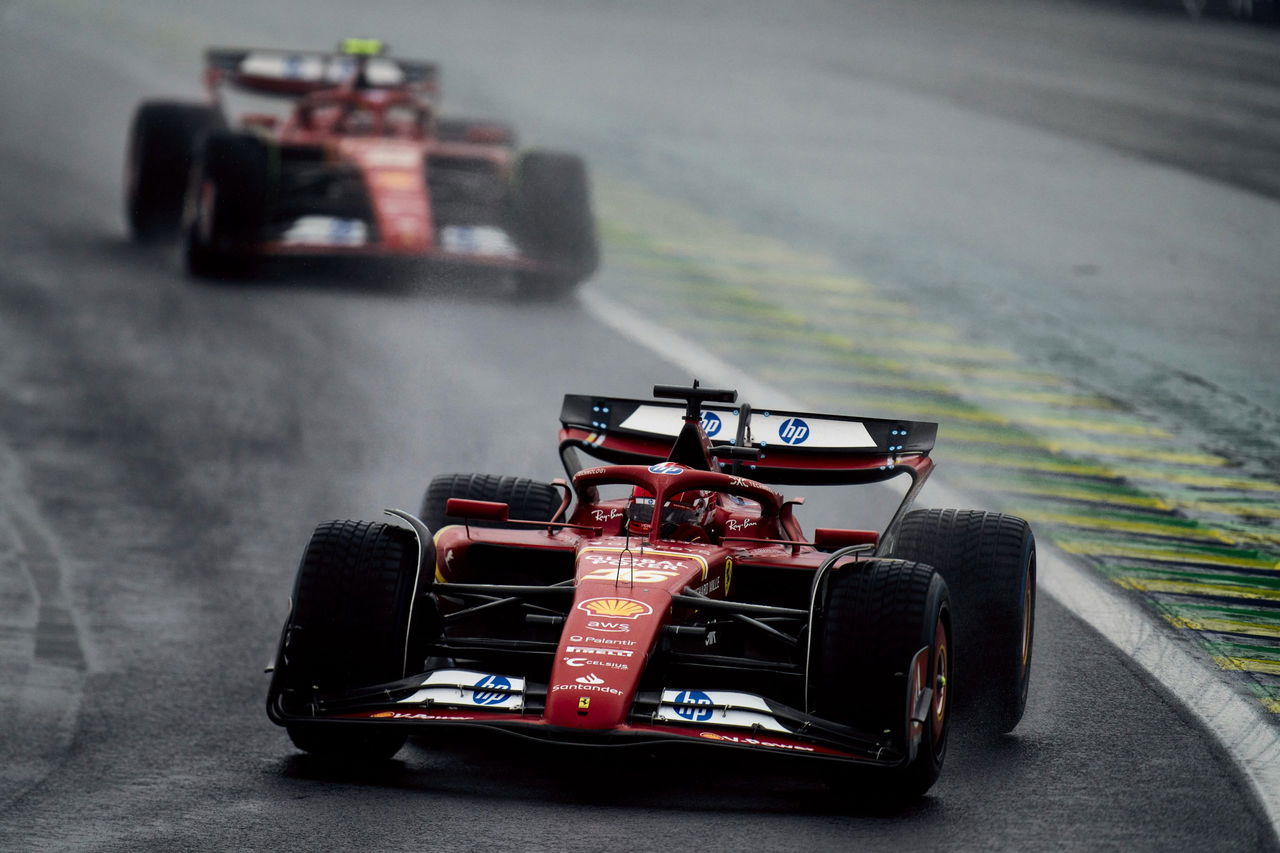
{"x": 989, "y": 561}
{"x": 476, "y": 130}
{"x": 875, "y": 617}
{"x": 227, "y": 205}
{"x": 553, "y": 222}
{"x": 360, "y": 616}
{"x": 164, "y": 140}
{"x": 528, "y": 500}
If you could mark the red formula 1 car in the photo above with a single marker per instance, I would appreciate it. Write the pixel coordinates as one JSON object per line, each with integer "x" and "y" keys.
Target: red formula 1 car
{"x": 669, "y": 597}
{"x": 359, "y": 164}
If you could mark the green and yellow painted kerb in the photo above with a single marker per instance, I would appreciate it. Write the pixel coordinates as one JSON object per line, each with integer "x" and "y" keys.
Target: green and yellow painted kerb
{"x": 1155, "y": 514}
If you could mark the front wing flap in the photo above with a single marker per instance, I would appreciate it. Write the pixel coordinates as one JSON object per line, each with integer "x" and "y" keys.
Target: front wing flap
{"x": 460, "y": 697}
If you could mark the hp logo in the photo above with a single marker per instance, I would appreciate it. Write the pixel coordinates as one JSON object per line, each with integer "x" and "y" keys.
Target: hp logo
{"x": 699, "y": 714}
{"x": 711, "y": 423}
{"x": 793, "y": 431}
{"x": 481, "y": 696}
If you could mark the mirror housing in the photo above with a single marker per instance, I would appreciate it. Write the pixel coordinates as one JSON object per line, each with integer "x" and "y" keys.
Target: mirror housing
{"x": 833, "y": 538}
{"x": 476, "y": 510}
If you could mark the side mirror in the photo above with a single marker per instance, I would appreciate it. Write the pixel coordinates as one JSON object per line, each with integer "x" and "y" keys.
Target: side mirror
{"x": 476, "y": 510}
{"x": 834, "y": 538}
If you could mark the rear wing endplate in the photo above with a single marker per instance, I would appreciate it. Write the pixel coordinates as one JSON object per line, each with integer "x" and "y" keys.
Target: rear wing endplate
{"x": 796, "y": 448}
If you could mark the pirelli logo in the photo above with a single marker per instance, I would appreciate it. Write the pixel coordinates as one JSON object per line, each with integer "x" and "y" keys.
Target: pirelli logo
{"x": 592, "y": 650}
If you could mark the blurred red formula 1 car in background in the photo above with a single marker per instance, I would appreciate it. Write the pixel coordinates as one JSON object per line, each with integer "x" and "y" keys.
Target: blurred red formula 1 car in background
{"x": 670, "y": 596}
{"x": 358, "y": 165}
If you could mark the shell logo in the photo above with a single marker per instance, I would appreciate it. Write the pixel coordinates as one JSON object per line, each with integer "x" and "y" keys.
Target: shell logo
{"x": 616, "y": 608}
{"x": 396, "y": 180}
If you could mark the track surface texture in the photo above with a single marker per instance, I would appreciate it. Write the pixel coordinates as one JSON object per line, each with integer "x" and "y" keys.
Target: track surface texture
{"x": 1092, "y": 182}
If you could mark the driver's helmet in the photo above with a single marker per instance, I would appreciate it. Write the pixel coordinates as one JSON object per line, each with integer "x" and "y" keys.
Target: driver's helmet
{"x": 360, "y": 121}
{"x": 684, "y": 516}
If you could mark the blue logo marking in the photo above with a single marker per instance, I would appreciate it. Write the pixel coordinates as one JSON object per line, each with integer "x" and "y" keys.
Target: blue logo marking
{"x": 711, "y": 423}
{"x": 793, "y": 431}
{"x": 666, "y": 468}
{"x": 693, "y": 697}
{"x": 481, "y": 696}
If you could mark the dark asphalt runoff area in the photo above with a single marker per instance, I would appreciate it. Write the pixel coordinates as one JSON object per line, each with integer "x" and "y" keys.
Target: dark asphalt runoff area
{"x": 167, "y": 446}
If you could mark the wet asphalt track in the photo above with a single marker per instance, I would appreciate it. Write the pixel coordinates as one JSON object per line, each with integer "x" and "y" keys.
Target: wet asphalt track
{"x": 166, "y": 447}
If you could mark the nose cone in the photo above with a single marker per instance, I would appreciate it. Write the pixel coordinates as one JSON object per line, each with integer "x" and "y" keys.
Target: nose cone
{"x": 603, "y": 649}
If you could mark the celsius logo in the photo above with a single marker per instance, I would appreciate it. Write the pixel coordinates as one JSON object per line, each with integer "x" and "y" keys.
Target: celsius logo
{"x": 793, "y": 431}
{"x": 485, "y": 693}
{"x": 699, "y": 714}
{"x": 666, "y": 468}
{"x": 711, "y": 423}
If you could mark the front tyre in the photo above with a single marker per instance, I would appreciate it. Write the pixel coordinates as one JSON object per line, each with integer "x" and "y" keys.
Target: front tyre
{"x": 882, "y": 664}
{"x": 361, "y": 616}
{"x": 164, "y": 140}
{"x": 227, "y": 204}
{"x": 989, "y": 561}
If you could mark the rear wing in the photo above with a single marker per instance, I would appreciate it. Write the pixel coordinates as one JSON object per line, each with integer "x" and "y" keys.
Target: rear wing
{"x": 796, "y": 448}
{"x": 293, "y": 73}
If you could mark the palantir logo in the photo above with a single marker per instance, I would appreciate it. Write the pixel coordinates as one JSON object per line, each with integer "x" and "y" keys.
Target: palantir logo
{"x": 686, "y": 698}
{"x": 482, "y": 696}
{"x": 711, "y": 423}
{"x": 793, "y": 431}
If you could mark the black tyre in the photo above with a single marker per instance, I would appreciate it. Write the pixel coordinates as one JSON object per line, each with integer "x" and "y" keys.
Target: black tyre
{"x": 989, "y": 561}
{"x": 163, "y": 143}
{"x": 553, "y": 221}
{"x": 876, "y": 616}
{"x": 361, "y": 616}
{"x": 228, "y": 204}
{"x": 476, "y": 130}
{"x": 529, "y": 500}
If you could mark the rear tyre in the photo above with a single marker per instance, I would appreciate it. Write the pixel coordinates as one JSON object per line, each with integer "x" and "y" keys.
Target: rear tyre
{"x": 876, "y": 616}
{"x": 989, "y": 561}
{"x": 553, "y": 222}
{"x": 228, "y": 204}
{"x": 361, "y": 616}
{"x": 476, "y": 130}
{"x": 528, "y": 500}
{"x": 163, "y": 143}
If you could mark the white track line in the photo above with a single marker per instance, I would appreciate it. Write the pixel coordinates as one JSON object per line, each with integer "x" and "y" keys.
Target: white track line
{"x": 1246, "y": 730}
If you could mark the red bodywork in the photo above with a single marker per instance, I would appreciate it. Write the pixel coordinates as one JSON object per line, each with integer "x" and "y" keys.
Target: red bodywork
{"x": 614, "y": 645}
{"x": 378, "y": 128}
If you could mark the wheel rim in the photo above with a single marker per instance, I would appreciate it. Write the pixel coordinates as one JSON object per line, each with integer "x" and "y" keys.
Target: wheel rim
{"x": 939, "y": 678}
{"x": 1027, "y": 593}
{"x": 205, "y": 202}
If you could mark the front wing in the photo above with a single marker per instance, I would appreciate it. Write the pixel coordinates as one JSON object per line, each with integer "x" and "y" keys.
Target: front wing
{"x": 717, "y": 718}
